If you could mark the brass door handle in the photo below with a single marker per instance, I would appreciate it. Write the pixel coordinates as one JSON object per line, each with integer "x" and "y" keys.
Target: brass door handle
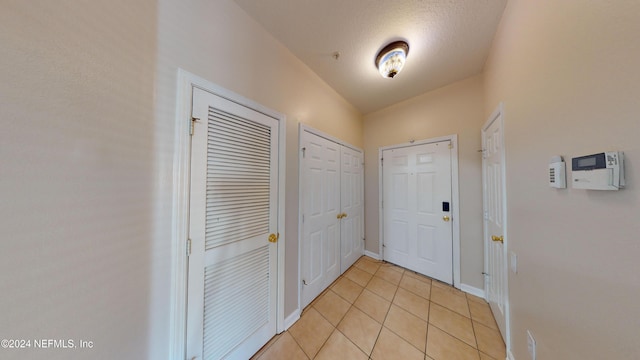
{"x": 341, "y": 215}
{"x": 498, "y": 238}
{"x": 344, "y": 215}
{"x": 274, "y": 238}
{"x": 446, "y": 218}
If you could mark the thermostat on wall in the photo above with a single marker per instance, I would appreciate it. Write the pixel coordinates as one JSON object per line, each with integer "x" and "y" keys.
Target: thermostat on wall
{"x": 602, "y": 171}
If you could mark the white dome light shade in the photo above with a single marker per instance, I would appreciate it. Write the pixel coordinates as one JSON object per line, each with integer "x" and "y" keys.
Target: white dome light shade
{"x": 391, "y": 58}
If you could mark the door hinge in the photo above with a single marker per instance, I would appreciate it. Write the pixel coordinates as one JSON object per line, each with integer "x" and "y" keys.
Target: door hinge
{"x": 303, "y": 218}
{"x": 188, "y": 247}
{"x": 486, "y": 215}
{"x": 192, "y": 127}
{"x": 450, "y": 146}
{"x": 382, "y": 204}
{"x": 381, "y": 161}
{"x": 304, "y": 150}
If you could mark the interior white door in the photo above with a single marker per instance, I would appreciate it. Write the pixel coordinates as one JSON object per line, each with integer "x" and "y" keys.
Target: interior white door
{"x": 232, "y": 282}
{"x": 494, "y": 224}
{"x": 320, "y": 263}
{"x": 351, "y": 204}
{"x": 417, "y": 223}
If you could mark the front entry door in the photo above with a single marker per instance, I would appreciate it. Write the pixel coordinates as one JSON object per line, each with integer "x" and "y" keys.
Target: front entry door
{"x": 232, "y": 282}
{"x": 417, "y": 209}
{"x": 494, "y": 220}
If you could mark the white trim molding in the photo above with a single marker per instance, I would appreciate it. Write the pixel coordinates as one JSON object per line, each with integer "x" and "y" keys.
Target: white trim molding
{"x": 510, "y": 355}
{"x": 372, "y": 255}
{"x": 291, "y": 319}
{"x": 455, "y": 198}
{"x": 473, "y": 290}
{"x": 180, "y": 211}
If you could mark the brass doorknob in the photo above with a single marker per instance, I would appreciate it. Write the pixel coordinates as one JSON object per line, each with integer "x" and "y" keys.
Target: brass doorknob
{"x": 274, "y": 238}
{"x": 341, "y": 215}
{"x": 344, "y": 215}
{"x": 498, "y": 238}
{"x": 446, "y": 218}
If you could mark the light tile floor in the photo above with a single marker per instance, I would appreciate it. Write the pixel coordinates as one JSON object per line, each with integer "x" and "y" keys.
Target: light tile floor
{"x": 377, "y": 310}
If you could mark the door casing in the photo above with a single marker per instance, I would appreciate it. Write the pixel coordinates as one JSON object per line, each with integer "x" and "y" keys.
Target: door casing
{"x": 455, "y": 198}
{"x": 180, "y": 207}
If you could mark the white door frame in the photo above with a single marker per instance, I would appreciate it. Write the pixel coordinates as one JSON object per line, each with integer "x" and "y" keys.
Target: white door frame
{"x": 498, "y": 115}
{"x": 302, "y": 127}
{"x": 455, "y": 198}
{"x": 180, "y": 208}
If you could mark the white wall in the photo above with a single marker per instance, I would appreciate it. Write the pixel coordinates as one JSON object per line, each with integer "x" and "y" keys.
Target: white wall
{"x": 76, "y": 175}
{"x": 567, "y": 72}
{"x": 453, "y": 109}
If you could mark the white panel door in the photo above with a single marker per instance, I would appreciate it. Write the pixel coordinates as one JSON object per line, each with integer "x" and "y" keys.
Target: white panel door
{"x": 352, "y": 207}
{"x": 496, "y": 252}
{"x": 417, "y": 227}
{"x": 320, "y": 263}
{"x": 232, "y": 283}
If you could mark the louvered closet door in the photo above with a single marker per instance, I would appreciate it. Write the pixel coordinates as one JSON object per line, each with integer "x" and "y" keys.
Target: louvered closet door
{"x": 233, "y": 210}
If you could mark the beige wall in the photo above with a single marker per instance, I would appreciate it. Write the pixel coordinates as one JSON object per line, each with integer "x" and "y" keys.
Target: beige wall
{"x": 218, "y": 41}
{"x": 88, "y": 94}
{"x": 567, "y": 72}
{"x": 454, "y": 109}
{"x": 76, "y": 175}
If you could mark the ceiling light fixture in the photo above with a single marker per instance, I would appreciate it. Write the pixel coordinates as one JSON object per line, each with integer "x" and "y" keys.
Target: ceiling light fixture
{"x": 391, "y": 58}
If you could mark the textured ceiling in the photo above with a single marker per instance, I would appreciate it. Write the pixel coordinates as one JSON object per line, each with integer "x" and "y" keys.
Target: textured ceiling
{"x": 449, "y": 40}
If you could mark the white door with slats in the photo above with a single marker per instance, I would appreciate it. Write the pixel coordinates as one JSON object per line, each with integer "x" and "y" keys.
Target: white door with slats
{"x": 417, "y": 224}
{"x": 320, "y": 248}
{"x": 232, "y": 281}
{"x": 352, "y": 207}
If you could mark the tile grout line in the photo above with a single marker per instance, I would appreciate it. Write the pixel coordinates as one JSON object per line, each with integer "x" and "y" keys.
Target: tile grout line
{"x": 398, "y": 335}
{"x": 473, "y": 328}
{"x": 351, "y": 305}
{"x": 426, "y": 340}
{"x": 382, "y": 324}
{"x": 397, "y": 286}
{"x": 385, "y": 319}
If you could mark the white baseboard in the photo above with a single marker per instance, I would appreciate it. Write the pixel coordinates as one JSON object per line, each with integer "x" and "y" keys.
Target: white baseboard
{"x": 510, "y": 355}
{"x": 291, "y": 319}
{"x": 372, "y": 255}
{"x": 472, "y": 290}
